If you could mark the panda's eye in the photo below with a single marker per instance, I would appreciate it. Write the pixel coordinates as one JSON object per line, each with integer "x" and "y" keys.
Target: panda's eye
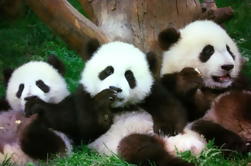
{"x": 41, "y": 85}
{"x": 20, "y": 90}
{"x": 106, "y": 72}
{"x": 206, "y": 53}
{"x": 130, "y": 79}
{"x": 230, "y": 52}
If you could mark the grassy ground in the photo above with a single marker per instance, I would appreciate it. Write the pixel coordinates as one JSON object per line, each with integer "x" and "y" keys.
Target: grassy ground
{"x": 27, "y": 38}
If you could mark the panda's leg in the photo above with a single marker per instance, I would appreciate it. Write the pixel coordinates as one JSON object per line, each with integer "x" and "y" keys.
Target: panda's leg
{"x": 222, "y": 137}
{"x": 144, "y": 149}
{"x": 40, "y": 142}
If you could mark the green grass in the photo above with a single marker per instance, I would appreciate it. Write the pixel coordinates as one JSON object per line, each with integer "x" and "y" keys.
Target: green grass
{"x": 27, "y": 38}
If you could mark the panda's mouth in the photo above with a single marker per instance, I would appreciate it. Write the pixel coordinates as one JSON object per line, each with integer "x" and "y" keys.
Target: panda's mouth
{"x": 222, "y": 79}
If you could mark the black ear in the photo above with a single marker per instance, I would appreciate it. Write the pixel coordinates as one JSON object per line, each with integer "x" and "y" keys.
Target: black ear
{"x": 91, "y": 47}
{"x": 168, "y": 37}
{"x": 152, "y": 61}
{"x": 56, "y": 63}
{"x": 6, "y": 74}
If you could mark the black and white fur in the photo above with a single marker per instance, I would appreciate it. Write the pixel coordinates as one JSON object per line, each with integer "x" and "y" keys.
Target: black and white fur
{"x": 117, "y": 97}
{"x": 157, "y": 111}
{"x": 209, "y": 62}
{"x": 36, "y": 78}
{"x": 26, "y": 139}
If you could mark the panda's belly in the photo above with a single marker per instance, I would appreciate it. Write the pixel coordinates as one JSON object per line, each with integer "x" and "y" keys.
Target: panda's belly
{"x": 124, "y": 124}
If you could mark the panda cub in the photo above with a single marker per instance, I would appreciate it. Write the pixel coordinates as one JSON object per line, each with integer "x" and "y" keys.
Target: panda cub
{"x": 20, "y": 137}
{"x": 35, "y": 78}
{"x": 117, "y": 97}
{"x": 201, "y": 62}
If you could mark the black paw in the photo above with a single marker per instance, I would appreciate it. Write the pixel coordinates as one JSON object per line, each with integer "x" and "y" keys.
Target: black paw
{"x": 189, "y": 79}
{"x": 106, "y": 97}
{"x": 235, "y": 143}
{"x": 33, "y": 105}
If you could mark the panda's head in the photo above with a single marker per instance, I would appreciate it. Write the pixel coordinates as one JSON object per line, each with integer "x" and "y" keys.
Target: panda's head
{"x": 119, "y": 66}
{"x": 36, "y": 78}
{"x": 203, "y": 45}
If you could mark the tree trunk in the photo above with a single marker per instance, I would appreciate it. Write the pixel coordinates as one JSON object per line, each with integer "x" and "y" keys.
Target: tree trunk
{"x": 135, "y": 21}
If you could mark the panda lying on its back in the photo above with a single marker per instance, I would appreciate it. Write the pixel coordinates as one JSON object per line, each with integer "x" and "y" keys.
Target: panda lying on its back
{"x": 20, "y": 137}
{"x": 116, "y": 88}
{"x": 210, "y": 63}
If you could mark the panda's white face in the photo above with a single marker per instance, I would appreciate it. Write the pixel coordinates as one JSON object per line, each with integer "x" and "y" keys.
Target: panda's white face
{"x": 35, "y": 78}
{"x": 206, "y": 46}
{"x": 119, "y": 66}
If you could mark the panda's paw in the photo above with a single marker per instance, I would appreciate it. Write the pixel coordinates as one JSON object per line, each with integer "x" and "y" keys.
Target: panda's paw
{"x": 33, "y": 105}
{"x": 235, "y": 143}
{"x": 105, "y": 98}
{"x": 190, "y": 79}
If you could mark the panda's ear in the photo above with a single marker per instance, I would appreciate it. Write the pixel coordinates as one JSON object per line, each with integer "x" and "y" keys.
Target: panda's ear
{"x": 168, "y": 37}
{"x": 152, "y": 61}
{"x": 91, "y": 47}
{"x": 56, "y": 63}
{"x": 7, "y": 74}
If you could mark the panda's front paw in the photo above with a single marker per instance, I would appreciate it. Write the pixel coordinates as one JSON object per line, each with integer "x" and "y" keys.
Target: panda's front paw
{"x": 105, "y": 98}
{"x": 33, "y": 105}
{"x": 234, "y": 143}
{"x": 189, "y": 79}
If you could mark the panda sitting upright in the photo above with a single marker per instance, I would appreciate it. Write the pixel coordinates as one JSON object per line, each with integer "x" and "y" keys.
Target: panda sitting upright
{"x": 200, "y": 62}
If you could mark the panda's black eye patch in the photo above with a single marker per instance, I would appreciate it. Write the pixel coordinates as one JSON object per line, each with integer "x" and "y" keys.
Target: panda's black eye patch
{"x": 45, "y": 88}
{"x": 20, "y": 90}
{"x": 106, "y": 72}
{"x": 230, "y": 52}
{"x": 206, "y": 53}
{"x": 130, "y": 79}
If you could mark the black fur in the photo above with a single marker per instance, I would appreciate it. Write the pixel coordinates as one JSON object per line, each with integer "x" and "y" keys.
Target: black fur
{"x": 168, "y": 37}
{"x": 222, "y": 137}
{"x": 79, "y": 115}
{"x": 91, "y": 47}
{"x": 187, "y": 86}
{"x": 184, "y": 85}
{"x": 7, "y": 74}
{"x": 152, "y": 61}
{"x": 4, "y": 105}
{"x": 45, "y": 88}
{"x": 56, "y": 63}
{"x": 168, "y": 114}
{"x": 206, "y": 53}
{"x": 144, "y": 150}
{"x": 39, "y": 142}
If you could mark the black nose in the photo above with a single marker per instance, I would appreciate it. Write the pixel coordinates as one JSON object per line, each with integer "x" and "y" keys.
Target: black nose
{"x": 227, "y": 67}
{"x": 115, "y": 88}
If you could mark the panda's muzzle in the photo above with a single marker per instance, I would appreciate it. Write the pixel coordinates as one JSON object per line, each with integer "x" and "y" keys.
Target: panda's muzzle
{"x": 116, "y": 89}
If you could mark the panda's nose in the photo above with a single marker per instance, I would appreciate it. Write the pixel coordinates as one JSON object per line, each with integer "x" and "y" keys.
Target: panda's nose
{"x": 115, "y": 88}
{"x": 227, "y": 67}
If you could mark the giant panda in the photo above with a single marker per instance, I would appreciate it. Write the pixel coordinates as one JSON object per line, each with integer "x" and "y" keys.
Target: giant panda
{"x": 36, "y": 78}
{"x": 117, "y": 97}
{"x": 26, "y": 139}
{"x": 200, "y": 64}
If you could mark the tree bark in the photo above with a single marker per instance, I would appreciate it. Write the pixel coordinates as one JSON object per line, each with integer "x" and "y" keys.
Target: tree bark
{"x": 73, "y": 27}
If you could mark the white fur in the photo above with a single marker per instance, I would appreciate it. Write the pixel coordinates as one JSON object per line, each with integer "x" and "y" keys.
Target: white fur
{"x": 122, "y": 57}
{"x": 124, "y": 125}
{"x": 194, "y": 37}
{"x": 28, "y": 74}
{"x": 186, "y": 141}
{"x": 141, "y": 122}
